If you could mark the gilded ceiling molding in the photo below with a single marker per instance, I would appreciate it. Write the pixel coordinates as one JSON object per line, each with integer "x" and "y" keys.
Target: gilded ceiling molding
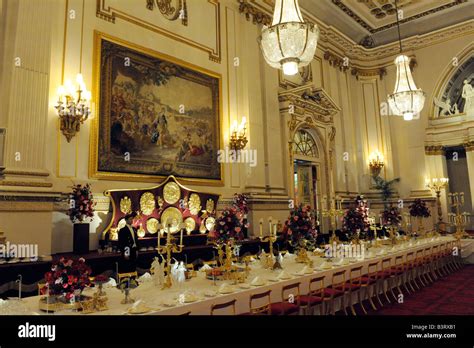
{"x": 373, "y": 30}
{"x": 380, "y": 72}
{"x": 336, "y": 61}
{"x": 110, "y": 14}
{"x": 171, "y": 10}
{"x": 433, "y": 150}
{"x": 360, "y": 57}
{"x": 251, "y": 12}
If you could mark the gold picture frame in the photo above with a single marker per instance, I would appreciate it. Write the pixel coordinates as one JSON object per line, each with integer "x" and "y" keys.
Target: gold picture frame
{"x": 95, "y": 171}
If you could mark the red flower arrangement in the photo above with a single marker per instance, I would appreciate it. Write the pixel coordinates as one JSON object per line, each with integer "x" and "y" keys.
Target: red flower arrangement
{"x": 240, "y": 203}
{"x": 391, "y": 216}
{"x": 66, "y": 277}
{"x": 419, "y": 209}
{"x": 357, "y": 217}
{"x": 299, "y": 227}
{"x": 81, "y": 203}
{"x": 228, "y": 225}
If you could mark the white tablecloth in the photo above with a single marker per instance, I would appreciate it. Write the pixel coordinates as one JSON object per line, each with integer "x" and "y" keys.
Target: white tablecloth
{"x": 158, "y": 299}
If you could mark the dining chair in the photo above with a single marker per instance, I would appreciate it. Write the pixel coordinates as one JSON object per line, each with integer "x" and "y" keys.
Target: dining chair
{"x": 264, "y": 309}
{"x": 369, "y": 282}
{"x": 337, "y": 289}
{"x": 290, "y": 304}
{"x": 314, "y": 297}
{"x": 225, "y": 305}
{"x": 354, "y": 284}
{"x": 384, "y": 275}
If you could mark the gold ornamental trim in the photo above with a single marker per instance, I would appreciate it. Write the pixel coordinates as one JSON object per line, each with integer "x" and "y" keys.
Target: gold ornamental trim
{"x": 152, "y": 225}
{"x": 210, "y": 205}
{"x": 126, "y": 205}
{"x": 190, "y": 224}
{"x": 173, "y": 216}
{"x": 469, "y": 146}
{"x": 435, "y": 150}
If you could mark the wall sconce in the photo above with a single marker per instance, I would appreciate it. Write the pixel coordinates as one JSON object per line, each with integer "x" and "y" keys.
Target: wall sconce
{"x": 73, "y": 106}
{"x": 376, "y": 163}
{"x": 238, "y": 139}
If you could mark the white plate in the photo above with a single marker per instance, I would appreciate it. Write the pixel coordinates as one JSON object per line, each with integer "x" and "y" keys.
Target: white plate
{"x": 169, "y": 304}
{"x": 210, "y": 294}
{"x": 274, "y": 280}
{"x": 244, "y": 286}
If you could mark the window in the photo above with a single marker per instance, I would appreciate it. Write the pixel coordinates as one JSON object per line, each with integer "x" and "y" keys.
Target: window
{"x": 304, "y": 144}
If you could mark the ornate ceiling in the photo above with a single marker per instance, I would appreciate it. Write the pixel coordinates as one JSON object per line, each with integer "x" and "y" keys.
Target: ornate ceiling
{"x": 373, "y": 22}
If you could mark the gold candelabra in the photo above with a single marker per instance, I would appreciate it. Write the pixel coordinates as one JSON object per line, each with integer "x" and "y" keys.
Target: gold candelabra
{"x": 333, "y": 213}
{"x": 437, "y": 185}
{"x": 393, "y": 234}
{"x": 169, "y": 248}
{"x": 458, "y": 219}
{"x": 271, "y": 238}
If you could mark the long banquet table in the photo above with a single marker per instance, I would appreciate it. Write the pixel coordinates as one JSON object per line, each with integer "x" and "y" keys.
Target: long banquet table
{"x": 166, "y": 302}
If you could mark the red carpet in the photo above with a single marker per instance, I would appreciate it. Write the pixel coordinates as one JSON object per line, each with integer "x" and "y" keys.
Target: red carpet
{"x": 451, "y": 295}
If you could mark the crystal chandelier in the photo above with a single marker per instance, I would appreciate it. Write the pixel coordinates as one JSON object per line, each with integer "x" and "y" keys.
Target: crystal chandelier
{"x": 289, "y": 43}
{"x": 406, "y": 100}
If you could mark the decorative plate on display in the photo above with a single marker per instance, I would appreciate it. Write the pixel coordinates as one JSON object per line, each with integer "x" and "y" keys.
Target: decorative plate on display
{"x": 194, "y": 204}
{"x": 210, "y": 223}
{"x": 190, "y": 224}
{"x": 152, "y": 225}
{"x": 171, "y": 193}
{"x": 210, "y": 206}
{"x": 126, "y": 205}
{"x": 174, "y": 217}
{"x": 147, "y": 203}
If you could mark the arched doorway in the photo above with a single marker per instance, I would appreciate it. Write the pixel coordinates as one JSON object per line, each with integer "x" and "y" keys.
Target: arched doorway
{"x": 306, "y": 168}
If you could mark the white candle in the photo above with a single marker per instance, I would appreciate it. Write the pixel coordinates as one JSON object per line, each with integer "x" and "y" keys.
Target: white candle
{"x": 270, "y": 226}
{"x": 261, "y": 227}
{"x": 181, "y": 238}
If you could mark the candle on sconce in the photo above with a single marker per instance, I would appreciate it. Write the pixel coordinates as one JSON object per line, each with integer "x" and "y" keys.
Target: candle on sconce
{"x": 181, "y": 237}
{"x": 261, "y": 227}
{"x": 275, "y": 229}
{"x": 270, "y": 226}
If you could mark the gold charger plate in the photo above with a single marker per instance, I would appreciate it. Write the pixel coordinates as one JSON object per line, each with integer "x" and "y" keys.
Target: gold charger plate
{"x": 210, "y": 223}
{"x": 190, "y": 224}
{"x": 175, "y": 217}
{"x": 152, "y": 225}
{"x": 171, "y": 193}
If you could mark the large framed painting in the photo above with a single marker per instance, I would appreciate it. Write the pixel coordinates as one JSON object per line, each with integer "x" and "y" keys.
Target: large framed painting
{"x": 155, "y": 116}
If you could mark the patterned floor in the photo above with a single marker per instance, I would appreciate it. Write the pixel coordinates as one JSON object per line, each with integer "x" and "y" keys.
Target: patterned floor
{"x": 451, "y": 295}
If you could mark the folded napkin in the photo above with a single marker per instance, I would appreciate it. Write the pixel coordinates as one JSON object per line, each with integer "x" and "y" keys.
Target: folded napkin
{"x": 111, "y": 283}
{"x": 283, "y": 275}
{"x": 225, "y": 288}
{"x": 206, "y": 267}
{"x": 145, "y": 278}
{"x": 257, "y": 281}
{"x": 288, "y": 255}
{"x": 306, "y": 270}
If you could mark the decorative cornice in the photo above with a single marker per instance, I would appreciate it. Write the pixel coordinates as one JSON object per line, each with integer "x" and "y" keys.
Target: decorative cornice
{"x": 307, "y": 99}
{"x": 469, "y": 146}
{"x": 25, "y": 183}
{"x": 373, "y": 30}
{"x": 380, "y": 72}
{"x": 361, "y": 57}
{"x": 435, "y": 150}
{"x": 251, "y": 12}
{"x": 336, "y": 61}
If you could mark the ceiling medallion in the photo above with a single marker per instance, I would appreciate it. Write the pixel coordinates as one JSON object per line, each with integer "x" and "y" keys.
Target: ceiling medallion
{"x": 147, "y": 203}
{"x": 126, "y": 205}
{"x": 171, "y": 193}
{"x": 194, "y": 203}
